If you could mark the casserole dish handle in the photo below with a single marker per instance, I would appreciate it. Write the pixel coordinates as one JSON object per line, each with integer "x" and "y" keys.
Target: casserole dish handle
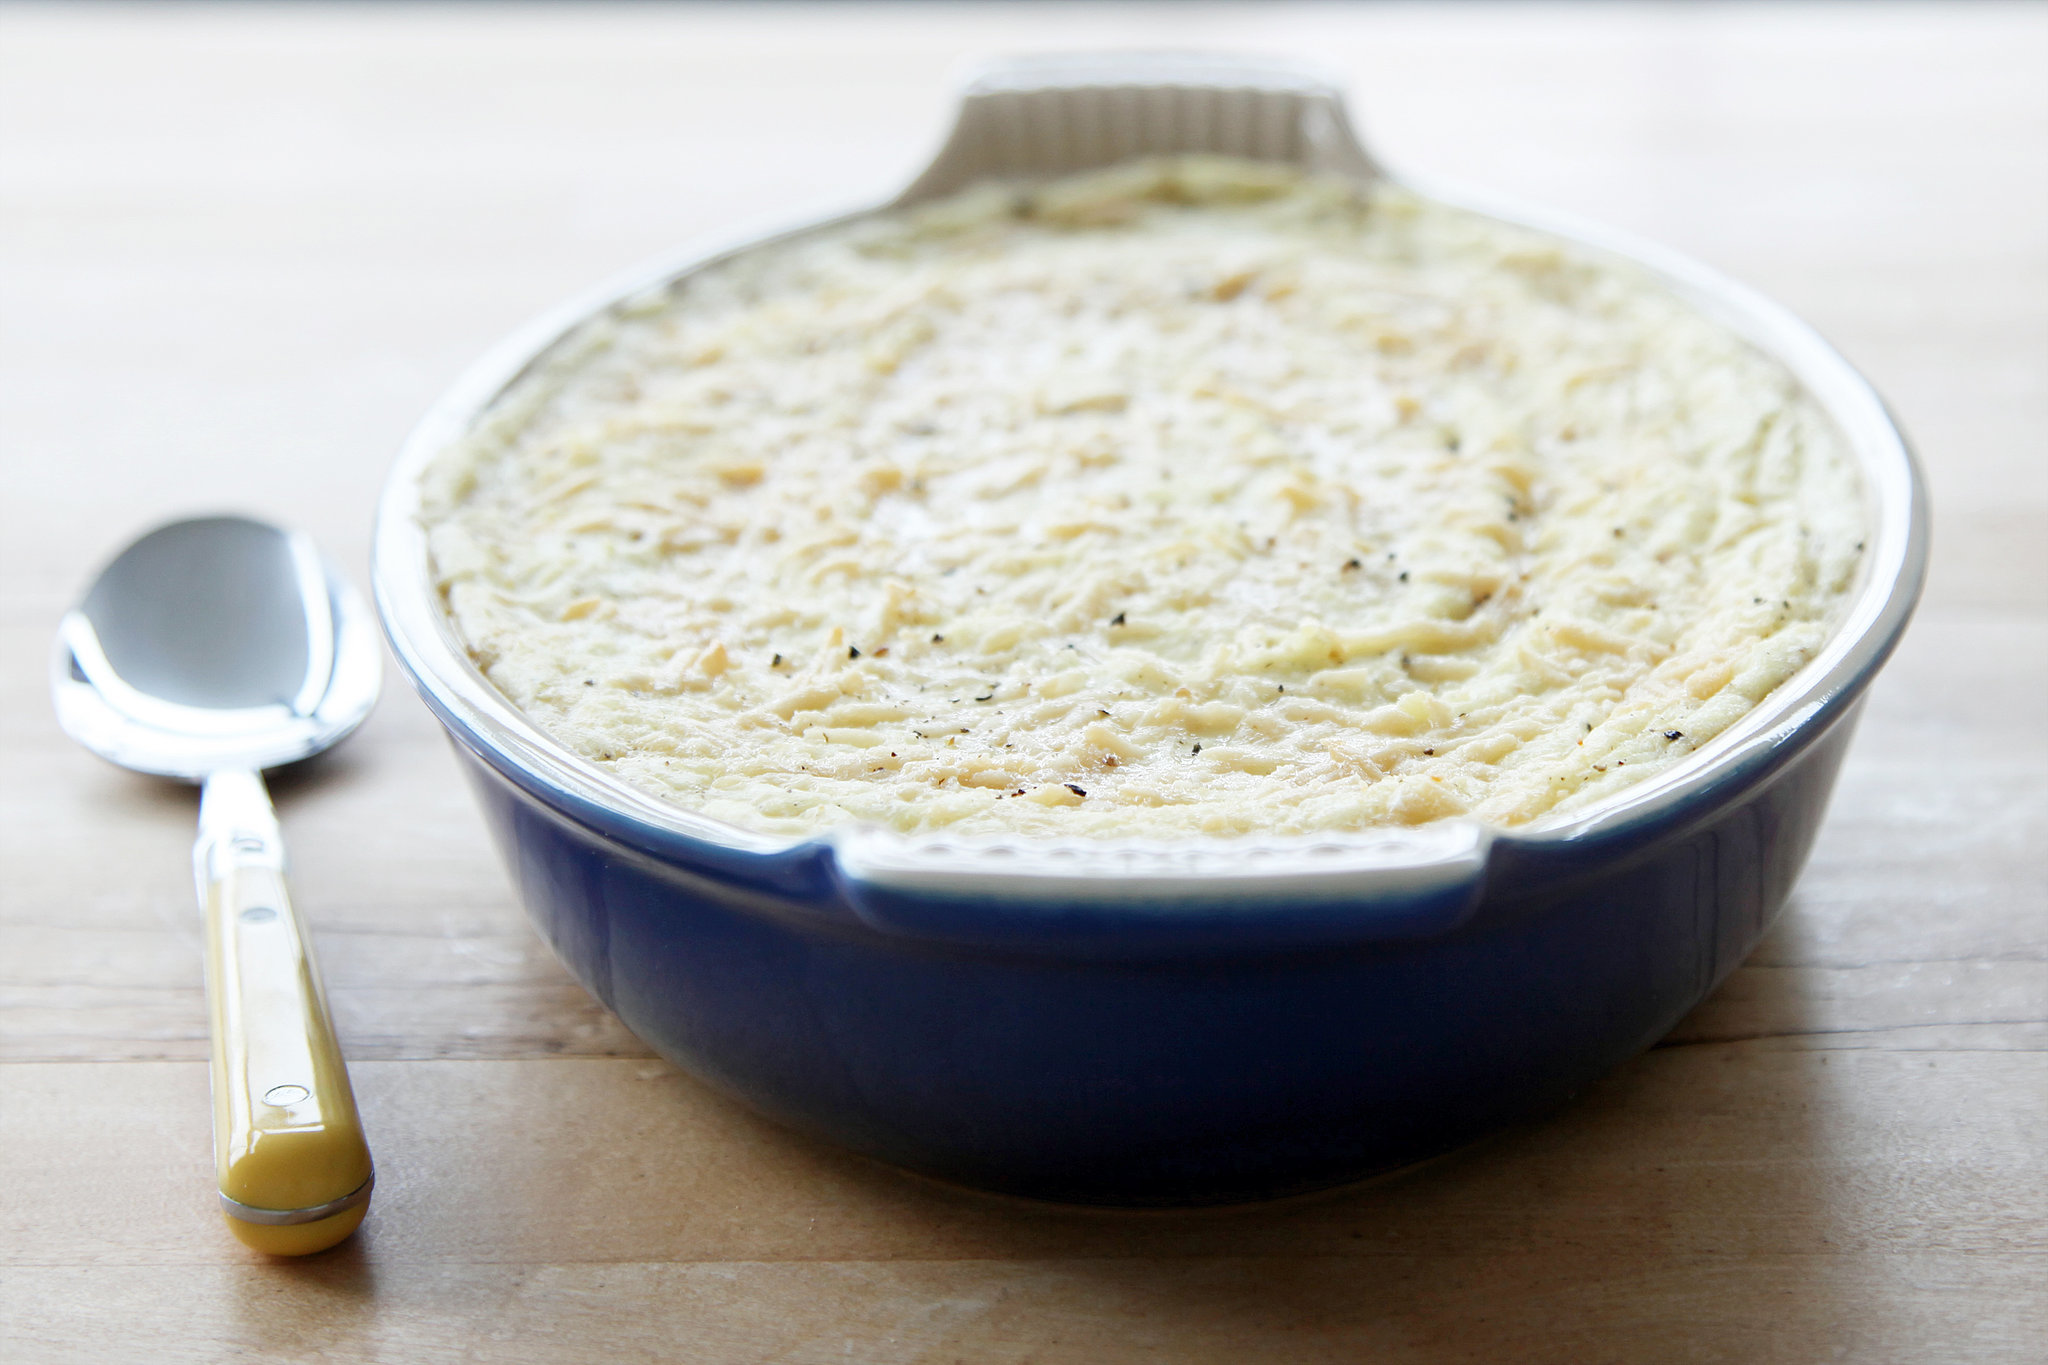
{"x": 1136, "y": 899}
{"x": 1027, "y": 118}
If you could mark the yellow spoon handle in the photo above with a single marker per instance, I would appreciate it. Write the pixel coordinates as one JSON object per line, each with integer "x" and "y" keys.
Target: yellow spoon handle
{"x": 288, "y": 1144}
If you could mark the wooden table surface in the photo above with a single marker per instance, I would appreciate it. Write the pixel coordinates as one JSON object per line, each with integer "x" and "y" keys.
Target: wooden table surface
{"x": 241, "y": 249}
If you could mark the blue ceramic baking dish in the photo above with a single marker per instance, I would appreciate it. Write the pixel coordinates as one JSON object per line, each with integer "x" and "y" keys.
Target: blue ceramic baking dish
{"x": 1172, "y": 1023}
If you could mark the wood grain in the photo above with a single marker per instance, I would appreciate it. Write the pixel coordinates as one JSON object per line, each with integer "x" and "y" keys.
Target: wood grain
{"x": 242, "y": 248}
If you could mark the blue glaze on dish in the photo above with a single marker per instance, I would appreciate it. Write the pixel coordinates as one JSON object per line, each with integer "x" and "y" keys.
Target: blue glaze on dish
{"x": 1144, "y": 1073}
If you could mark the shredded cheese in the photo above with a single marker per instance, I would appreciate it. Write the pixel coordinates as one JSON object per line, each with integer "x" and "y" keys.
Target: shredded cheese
{"x": 1191, "y": 497}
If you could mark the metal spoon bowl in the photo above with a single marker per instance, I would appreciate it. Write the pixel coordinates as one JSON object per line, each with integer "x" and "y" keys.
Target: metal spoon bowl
{"x": 209, "y": 650}
{"x": 215, "y": 643}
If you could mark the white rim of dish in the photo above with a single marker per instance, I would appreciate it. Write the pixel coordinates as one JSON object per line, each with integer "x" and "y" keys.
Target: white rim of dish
{"x": 1414, "y": 858}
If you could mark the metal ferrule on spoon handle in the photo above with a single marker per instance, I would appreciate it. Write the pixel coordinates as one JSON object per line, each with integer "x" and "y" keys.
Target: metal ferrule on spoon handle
{"x": 293, "y": 1166}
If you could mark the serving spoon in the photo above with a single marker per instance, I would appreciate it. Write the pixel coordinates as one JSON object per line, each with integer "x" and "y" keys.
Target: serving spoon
{"x": 207, "y": 651}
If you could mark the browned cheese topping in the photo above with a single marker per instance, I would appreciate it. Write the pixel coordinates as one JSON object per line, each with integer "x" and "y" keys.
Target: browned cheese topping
{"x": 1189, "y": 497}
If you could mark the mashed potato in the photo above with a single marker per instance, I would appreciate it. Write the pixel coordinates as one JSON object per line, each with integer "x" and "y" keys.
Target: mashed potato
{"x": 1190, "y": 497}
